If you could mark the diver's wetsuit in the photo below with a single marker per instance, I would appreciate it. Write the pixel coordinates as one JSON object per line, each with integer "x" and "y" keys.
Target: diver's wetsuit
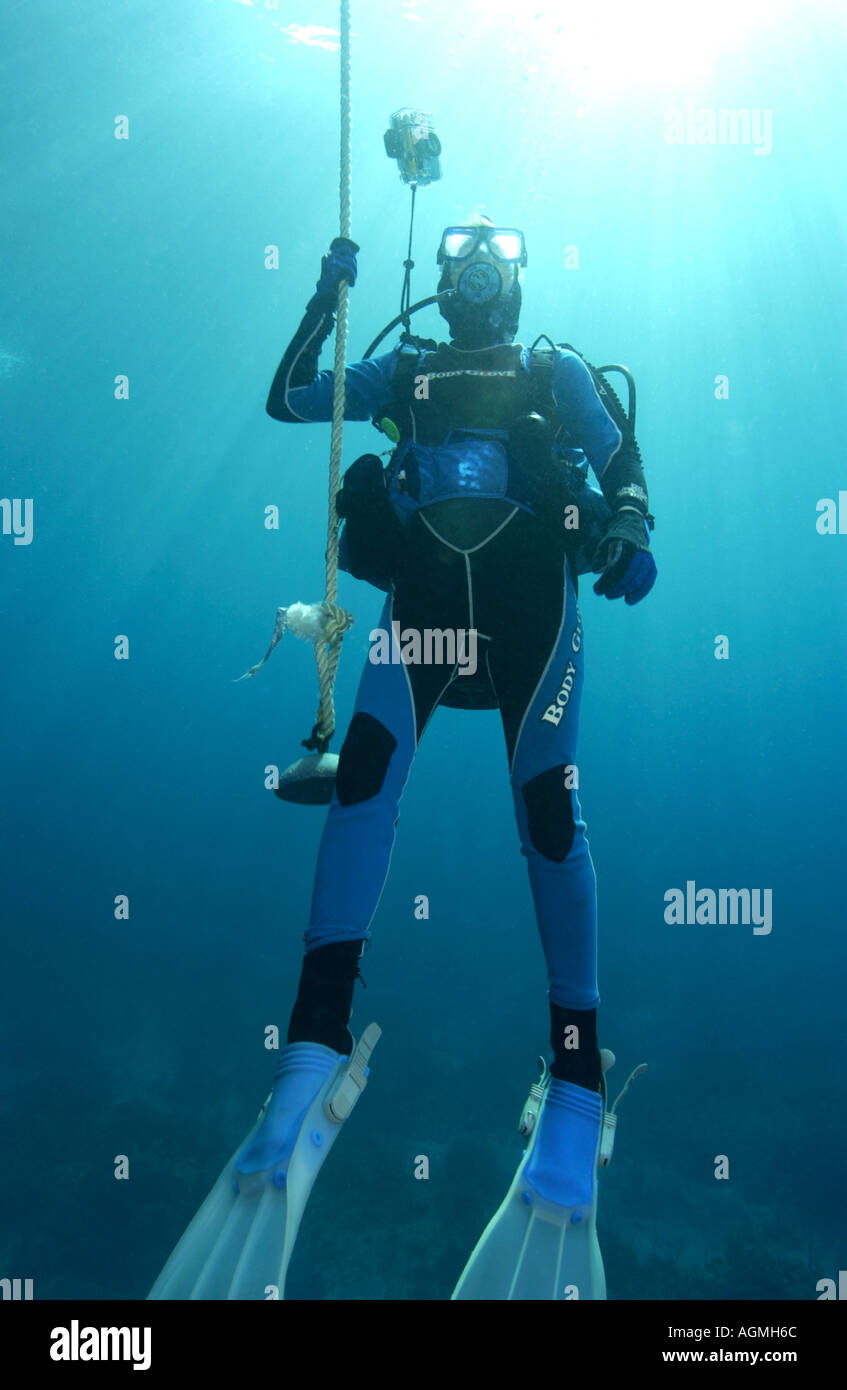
{"x": 515, "y": 591}
{"x": 469, "y": 562}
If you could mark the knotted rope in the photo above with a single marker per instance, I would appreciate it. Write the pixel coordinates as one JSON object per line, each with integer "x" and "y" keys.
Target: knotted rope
{"x": 324, "y": 624}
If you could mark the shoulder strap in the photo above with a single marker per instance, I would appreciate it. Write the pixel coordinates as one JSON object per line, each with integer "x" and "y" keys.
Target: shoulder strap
{"x": 400, "y": 390}
{"x": 407, "y": 368}
{"x": 535, "y": 387}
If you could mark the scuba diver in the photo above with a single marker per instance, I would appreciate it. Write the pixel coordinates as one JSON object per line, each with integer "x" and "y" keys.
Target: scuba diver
{"x": 482, "y": 521}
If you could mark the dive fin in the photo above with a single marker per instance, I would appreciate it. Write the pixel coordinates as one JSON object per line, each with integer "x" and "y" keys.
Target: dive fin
{"x": 542, "y": 1242}
{"x": 239, "y": 1244}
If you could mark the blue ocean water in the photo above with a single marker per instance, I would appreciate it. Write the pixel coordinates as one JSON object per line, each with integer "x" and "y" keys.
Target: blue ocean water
{"x": 714, "y": 270}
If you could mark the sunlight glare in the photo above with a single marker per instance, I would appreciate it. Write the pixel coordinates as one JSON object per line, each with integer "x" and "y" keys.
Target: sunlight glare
{"x": 618, "y": 45}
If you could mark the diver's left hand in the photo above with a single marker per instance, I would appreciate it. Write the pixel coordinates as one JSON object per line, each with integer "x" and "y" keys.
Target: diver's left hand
{"x": 628, "y": 572}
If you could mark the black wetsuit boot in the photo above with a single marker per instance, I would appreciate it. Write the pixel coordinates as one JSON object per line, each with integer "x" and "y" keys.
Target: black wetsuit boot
{"x": 579, "y": 1064}
{"x": 325, "y": 997}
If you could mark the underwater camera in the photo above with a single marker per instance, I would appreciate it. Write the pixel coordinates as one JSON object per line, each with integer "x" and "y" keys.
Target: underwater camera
{"x": 412, "y": 141}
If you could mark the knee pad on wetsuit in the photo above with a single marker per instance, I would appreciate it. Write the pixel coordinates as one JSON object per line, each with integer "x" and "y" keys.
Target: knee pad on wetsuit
{"x": 363, "y": 763}
{"x": 549, "y": 804}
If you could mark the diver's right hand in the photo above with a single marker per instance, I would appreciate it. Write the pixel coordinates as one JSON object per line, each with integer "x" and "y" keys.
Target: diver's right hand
{"x": 339, "y": 264}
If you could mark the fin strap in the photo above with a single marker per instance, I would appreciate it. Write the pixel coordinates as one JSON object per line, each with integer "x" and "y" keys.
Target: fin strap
{"x": 535, "y": 1100}
{"x": 353, "y": 1079}
{"x": 610, "y": 1120}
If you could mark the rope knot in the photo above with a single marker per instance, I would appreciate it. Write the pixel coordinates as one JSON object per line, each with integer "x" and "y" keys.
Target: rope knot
{"x": 336, "y": 621}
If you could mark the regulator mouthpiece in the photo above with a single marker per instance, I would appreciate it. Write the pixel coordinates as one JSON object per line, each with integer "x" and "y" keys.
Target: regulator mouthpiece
{"x": 480, "y": 283}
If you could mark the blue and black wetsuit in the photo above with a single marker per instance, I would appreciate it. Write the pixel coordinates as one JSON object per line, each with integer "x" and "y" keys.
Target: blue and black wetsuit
{"x": 474, "y": 556}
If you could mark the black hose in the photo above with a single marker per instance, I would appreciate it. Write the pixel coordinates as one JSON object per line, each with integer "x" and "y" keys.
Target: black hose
{"x": 401, "y": 317}
{"x": 628, "y": 415}
{"x": 630, "y": 382}
{"x": 408, "y": 265}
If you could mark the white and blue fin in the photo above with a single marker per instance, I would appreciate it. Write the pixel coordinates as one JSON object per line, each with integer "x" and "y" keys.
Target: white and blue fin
{"x": 542, "y": 1242}
{"x": 239, "y": 1244}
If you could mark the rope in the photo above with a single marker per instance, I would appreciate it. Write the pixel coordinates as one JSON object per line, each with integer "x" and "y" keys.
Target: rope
{"x": 328, "y": 646}
{"x": 324, "y": 624}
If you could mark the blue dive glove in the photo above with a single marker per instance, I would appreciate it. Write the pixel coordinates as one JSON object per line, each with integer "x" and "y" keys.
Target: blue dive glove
{"x": 630, "y": 574}
{"x": 338, "y": 265}
{"x": 628, "y": 568}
